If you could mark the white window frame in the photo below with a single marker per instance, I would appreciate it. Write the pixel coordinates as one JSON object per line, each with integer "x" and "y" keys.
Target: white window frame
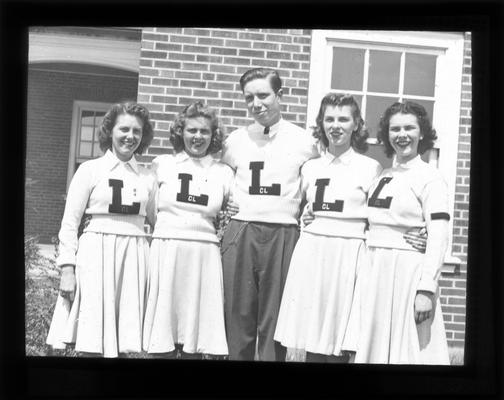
{"x": 450, "y": 50}
{"x": 78, "y": 107}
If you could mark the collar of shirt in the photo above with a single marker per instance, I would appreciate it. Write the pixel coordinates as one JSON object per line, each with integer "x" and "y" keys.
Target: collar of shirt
{"x": 408, "y": 164}
{"x": 258, "y": 129}
{"x": 112, "y": 161}
{"x": 344, "y": 158}
{"x": 205, "y": 161}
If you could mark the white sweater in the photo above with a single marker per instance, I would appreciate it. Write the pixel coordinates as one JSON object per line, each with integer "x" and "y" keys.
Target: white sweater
{"x": 191, "y": 193}
{"x": 405, "y": 196}
{"x": 336, "y": 189}
{"x": 267, "y": 170}
{"x": 117, "y": 195}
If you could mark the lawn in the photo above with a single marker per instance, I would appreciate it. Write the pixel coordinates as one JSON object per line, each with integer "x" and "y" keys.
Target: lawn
{"x": 41, "y": 284}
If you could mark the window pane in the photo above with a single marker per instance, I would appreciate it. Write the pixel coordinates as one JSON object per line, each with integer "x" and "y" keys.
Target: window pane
{"x": 377, "y": 152}
{"x": 87, "y": 118}
{"x": 85, "y": 149}
{"x": 96, "y": 150}
{"x": 347, "y": 68}
{"x": 86, "y": 114}
{"x": 428, "y": 105}
{"x": 419, "y": 74}
{"x": 375, "y": 107}
{"x": 384, "y": 71}
{"x": 99, "y": 118}
{"x": 86, "y": 133}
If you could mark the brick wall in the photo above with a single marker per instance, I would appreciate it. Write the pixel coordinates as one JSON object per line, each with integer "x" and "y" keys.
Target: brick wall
{"x": 49, "y": 121}
{"x": 453, "y": 286}
{"x": 181, "y": 65}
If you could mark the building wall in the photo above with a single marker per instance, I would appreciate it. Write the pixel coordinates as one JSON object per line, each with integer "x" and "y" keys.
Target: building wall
{"x": 49, "y": 121}
{"x": 180, "y": 65}
{"x": 453, "y": 286}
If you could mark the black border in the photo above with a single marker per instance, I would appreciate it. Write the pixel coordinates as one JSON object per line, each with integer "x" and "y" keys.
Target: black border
{"x": 33, "y": 377}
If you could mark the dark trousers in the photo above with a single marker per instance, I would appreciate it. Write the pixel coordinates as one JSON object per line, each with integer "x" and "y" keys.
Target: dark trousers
{"x": 255, "y": 260}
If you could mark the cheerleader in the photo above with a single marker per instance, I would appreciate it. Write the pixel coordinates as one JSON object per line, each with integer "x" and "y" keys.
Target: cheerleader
{"x": 320, "y": 283}
{"x": 400, "y": 315}
{"x": 185, "y": 306}
{"x": 101, "y": 302}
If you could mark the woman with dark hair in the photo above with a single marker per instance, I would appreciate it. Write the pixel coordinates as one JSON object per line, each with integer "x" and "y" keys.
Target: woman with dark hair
{"x": 400, "y": 320}
{"x": 185, "y": 306}
{"x": 320, "y": 283}
{"x": 104, "y": 271}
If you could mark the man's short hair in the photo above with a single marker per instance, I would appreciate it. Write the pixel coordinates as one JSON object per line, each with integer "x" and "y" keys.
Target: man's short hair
{"x": 262, "y": 73}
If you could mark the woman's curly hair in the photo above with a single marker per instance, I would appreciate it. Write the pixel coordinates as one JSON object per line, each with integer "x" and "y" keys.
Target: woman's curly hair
{"x": 427, "y": 134}
{"x": 195, "y": 110}
{"x": 359, "y": 135}
{"x": 110, "y": 119}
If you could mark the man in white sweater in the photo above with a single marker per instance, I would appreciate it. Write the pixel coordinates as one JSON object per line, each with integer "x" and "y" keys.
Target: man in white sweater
{"x": 259, "y": 240}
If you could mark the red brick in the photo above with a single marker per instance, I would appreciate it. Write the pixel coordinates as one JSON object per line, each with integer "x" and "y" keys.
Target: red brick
{"x": 148, "y": 72}
{"x": 196, "y": 49}
{"x": 164, "y": 99}
{"x": 167, "y": 64}
{"x": 456, "y": 301}
{"x": 265, "y": 46}
{"x": 224, "y": 34}
{"x": 223, "y": 51}
{"x": 150, "y": 89}
{"x": 237, "y": 43}
{"x": 220, "y": 103}
{"x": 181, "y": 56}
{"x": 195, "y": 67}
{"x": 251, "y": 53}
{"x": 208, "y": 59}
{"x": 211, "y": 41}
{"x": 205, "y": 93}
{"x": 236, "y": 113}
{"x": 193, "y": 84}
{"x": 264, "y": 63}
{"x": 182, "y": 39}
{"x": 179, "y": 92}
{"x": 223, "y": 68}
{"x": 196, "y": 32}
{"x": 145, "y": 63}
{"x": 278, "y": 55}
{"x": 153, "y": 54}
{"x": 161, "y": 116}
{"x": 227, "y": 78}
{"x": 251, "y": 36}
{"x": 279, "y": 38}
{"x": 168, "y": 46}
{"x": 165, "y": 82}
{"x": 187, "y": 75}
{"x": 169, "y": 30}
{"x": 220, "y": 86}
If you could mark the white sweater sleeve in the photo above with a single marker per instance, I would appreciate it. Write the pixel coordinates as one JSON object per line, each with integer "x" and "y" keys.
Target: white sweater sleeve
{"x": 435, "y": 207}
{"x": 76, "y": 203}
{"x": 227, "y": 152}
{"x": 228, "y": 178}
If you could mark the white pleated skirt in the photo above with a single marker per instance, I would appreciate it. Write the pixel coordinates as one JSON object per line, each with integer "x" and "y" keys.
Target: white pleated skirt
{"x": 318, "y": 293}
{"x": 107, "y": 313}
{"x": 383, "y": 313}
{"x": 185, "y": 301}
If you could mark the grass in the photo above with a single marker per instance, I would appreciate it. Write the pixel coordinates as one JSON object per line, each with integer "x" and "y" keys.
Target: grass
{"x": 41, "y": 290}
